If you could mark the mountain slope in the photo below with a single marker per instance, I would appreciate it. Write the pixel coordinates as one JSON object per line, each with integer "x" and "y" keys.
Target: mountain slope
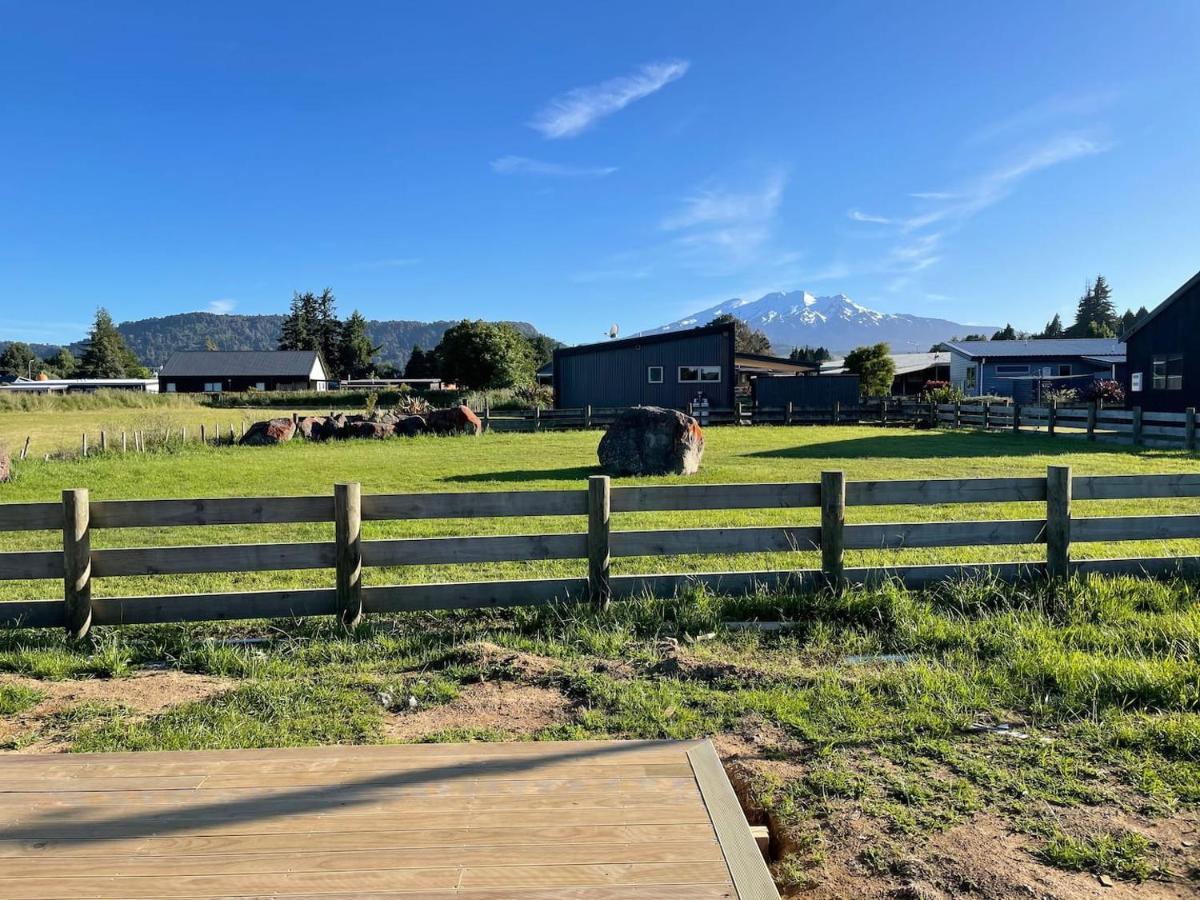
{"x": 796, "y": 318}
{"x": 153, "y": 340}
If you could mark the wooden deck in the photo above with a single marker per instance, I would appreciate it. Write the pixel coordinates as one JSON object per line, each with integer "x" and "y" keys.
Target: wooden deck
{"x": 526, "y": 821}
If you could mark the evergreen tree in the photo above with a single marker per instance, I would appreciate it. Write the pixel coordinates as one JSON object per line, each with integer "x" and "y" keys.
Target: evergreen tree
{"x": 63, "y": 363}
{"x": 1054, "y": 328}
{"x": 19, "y": 359}
{"x": 745, "y": 338}
{"x": 422, "y": 364}
{"x": 355, "y": 351}
{"x": 1128, "y": 320}
{"x": 1103, "y": 310}
{"x": 1007, "y": 333}
{"x": 1095, "y": 314}
{"x": 543, "y": 347}
{"x": 874, "y": 367}
{"x": 811, "y": 355}
{"x": 297, "y": 325}
{"x": 105, "y": 354}
{"x": 327, "y": 330}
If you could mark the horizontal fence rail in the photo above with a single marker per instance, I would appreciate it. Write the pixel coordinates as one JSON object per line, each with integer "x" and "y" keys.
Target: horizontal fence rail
{"x": 1090, "y": 422}
{"x": 78, "y": 565}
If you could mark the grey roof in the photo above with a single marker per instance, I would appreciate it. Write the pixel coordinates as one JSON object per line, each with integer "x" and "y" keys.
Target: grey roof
{"x": 1034, "y": 349}
{"x": 240, "y": 363}
{"x": 905, "y": 363}
{"x": 1183, "y": 289}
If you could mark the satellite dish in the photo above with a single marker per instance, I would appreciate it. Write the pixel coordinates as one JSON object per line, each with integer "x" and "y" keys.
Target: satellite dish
{"x": 613, "y": 330}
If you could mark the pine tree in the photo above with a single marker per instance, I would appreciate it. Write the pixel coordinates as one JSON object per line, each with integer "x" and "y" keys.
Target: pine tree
{"x": 297, "y": 325}
{"x": 745, "y": 338}
{"x": 355, "y": 350}
{"x": 105, "y": 355}
{"x": 1054, "y": 328}
{"x": 1007, "y": 333}
{"x": 422, "y": 364}
{"x": 327, "y": 330}
{"x": 1103, "y": 310}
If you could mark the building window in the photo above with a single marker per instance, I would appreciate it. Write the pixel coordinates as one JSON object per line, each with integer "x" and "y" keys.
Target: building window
{"x": 170, "y": 387}
{"x": 690, "y": 374}
{"x": 972, "y": 377}
{"x": 212, "y": 387}
{"x": 1012, "y": 370}
{"x": 654, "y": 374}
{"x": 1168, "y": 372}
{"x": 1135, "y": 381}
{"x": 1064, "y": 369}
{"x": 260, "y": 385}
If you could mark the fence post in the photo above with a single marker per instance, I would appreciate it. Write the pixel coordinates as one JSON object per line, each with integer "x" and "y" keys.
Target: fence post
{"x": 85, "y": 444}
{"x": 1058, "y": 521}
{"x": 599, "y": 507}
{"x": 1051, "y": 416}
{"x": 587, "y": 417}
{"x": 1091, "y": 421}
{"x": 347, "y": 530}
{"x": 203, "y": 435}
{"x": 788, "y": 414}
{"x": 25, "y": 449}
{"x": 883, "y": 411}
{"x": 1189, "y": 429}
{"x": 837, "y": 411}
{"x": 103, "y": 441}
{"x": 1016, "y": 418}
{"x": 1137, "y": 425}
{"x": 933, "y": 414}
{"x": 958, "y": 414}
{"x": 77, "y": 562}
{"x": 987, "y": 416}
{"x": 833, "y": 523}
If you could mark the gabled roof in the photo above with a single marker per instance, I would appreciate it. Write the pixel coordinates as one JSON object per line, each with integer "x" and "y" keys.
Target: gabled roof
{"x": 905, "y": 363}
{"x": 1183, "y": 289}
{"x": 241, "y": 363}
{"x": 647, "y": 339}
{"x": 1034, "y": 349}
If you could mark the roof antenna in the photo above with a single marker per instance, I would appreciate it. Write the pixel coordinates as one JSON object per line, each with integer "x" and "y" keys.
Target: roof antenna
{"x": 613, "y": 331}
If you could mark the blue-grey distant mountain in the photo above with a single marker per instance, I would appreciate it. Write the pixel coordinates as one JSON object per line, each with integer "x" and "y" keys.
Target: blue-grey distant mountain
{"x": 797, "y": 318}
{"x": 154, "y": 340}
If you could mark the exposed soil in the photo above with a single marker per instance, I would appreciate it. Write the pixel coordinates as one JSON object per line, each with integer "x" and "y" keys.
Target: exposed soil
{"x": 515, "y": 709}
{"x": 144, "y": 693}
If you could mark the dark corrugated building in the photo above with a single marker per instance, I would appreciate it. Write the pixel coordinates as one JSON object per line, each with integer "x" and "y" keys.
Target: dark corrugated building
{"x": 1162, "y": 359}
{"x": 805, "y": 391}
{"x": 669, "y": 370}
{"x": 215, "y": 371}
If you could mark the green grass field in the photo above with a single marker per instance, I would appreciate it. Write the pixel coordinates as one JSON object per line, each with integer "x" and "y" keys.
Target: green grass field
{"x": 975, "y": 739}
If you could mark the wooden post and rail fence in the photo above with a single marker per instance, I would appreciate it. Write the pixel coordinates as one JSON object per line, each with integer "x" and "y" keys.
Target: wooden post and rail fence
{"x": 79, "y": 564}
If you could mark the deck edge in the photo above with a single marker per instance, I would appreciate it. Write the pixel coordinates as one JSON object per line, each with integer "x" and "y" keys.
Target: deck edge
{"x": 751, "y": 878}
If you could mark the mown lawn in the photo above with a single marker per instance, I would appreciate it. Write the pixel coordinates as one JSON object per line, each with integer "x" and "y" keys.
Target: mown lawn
{"x": 975, "y": 739}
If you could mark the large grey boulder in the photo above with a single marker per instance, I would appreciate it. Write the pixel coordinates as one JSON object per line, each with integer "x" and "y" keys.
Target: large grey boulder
{"x": 650, "y": 440}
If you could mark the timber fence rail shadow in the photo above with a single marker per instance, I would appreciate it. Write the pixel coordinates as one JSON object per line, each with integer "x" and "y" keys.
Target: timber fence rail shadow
{"x": 79, "y": 565}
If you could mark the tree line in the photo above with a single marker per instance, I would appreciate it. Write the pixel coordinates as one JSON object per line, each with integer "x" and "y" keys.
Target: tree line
{"x": 1095, "y": 317}
{"x": 105, "y": 355}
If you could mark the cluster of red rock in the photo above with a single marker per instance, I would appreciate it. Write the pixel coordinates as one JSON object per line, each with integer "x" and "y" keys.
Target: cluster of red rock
{"x": 455, "y": 420}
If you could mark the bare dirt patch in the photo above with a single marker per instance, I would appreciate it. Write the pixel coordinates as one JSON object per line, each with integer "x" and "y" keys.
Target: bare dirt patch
{"x": 144, "y": 693}
{"x": 514, "y": 709}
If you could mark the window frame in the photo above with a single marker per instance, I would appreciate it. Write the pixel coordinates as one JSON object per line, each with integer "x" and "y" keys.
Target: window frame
{"x": 1064, "y": 370}
{"x": 1002, "y": 369}
{"x": 1164, "y": 381}
{"x": 213, "y": 387}
{"x": 700, "y": 372}
{"x": 662, "y": 374}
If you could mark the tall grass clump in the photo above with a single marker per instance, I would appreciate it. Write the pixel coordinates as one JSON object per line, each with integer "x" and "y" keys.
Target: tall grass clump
{"x": 102, "y": 399}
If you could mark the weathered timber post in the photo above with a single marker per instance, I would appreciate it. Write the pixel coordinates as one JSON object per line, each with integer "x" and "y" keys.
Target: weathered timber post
{"x": 77, "y": 562}
{"x": 738, "y": 412}
{"x": 1091, "y": 421}
{"x": 787, "y": 415}
{"x": 883, "y": 411}
{"x": 124, "y": 443}
{"x": 183, "y": 435}
{"x": 85, "y": 444}
{"x": 837, "y": 411}
{"x": 1016, "y": 418}
{"x": 537, "y": 418}
{"x": 25, "y": 449}
{"x": 1051, "y": 416}
{"x": 587, "y": 417}
{"x": 833, "y": 525}
{"x": 599, "y": 506}
{"x": 103, "y": 441}
{"x": 203, "y": 434}
{"x": 958, "y": 414}
{"x": 1058, "y": 521}
{"x": 1189, "y": 430}
{"x": 987, "y": 411}
{"x": 347, "y": 529}
{"x": 1137, "y": 425}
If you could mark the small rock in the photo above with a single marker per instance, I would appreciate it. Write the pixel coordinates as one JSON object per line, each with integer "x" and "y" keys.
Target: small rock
{"x": 1106, "y": 881}
{"x": 412, "y": 702}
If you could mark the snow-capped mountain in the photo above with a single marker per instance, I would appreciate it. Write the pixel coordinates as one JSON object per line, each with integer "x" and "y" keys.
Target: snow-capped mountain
{"x": 795, "y": 318}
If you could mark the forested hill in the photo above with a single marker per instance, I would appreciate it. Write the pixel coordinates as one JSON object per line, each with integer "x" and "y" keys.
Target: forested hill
{"x": 153, "y": 340}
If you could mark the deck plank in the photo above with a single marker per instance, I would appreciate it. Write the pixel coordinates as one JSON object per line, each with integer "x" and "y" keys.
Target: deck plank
{"x": 605, "y": 820}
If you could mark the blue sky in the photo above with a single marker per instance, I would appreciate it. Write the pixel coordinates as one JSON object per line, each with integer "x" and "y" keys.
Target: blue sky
{"x": 578, "y": 164}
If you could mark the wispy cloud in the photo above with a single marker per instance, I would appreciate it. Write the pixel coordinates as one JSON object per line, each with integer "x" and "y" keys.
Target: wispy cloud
{"x": 523, "y": 165}
{"x": 1059, "y": 111}
{"x": 718, "y": 228}
{"x": 990, "y": 187}
{"x": 222, "y": 307}
{"x": 575, "y": 111}
{"x": 391, "y": 262}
